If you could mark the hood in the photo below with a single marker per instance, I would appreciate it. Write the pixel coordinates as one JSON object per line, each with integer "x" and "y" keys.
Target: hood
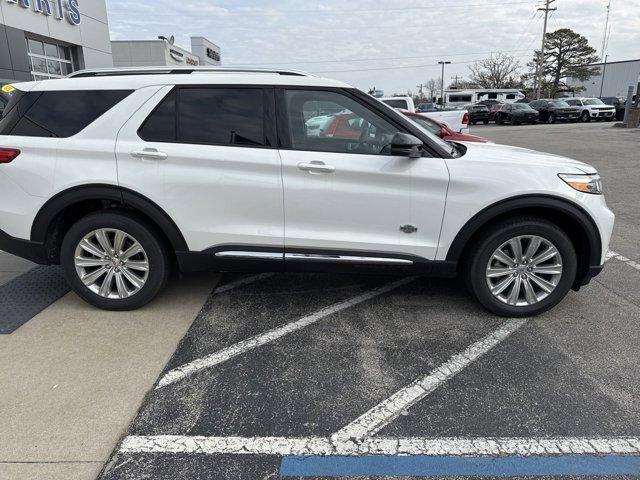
{"x": 508, "y": 154}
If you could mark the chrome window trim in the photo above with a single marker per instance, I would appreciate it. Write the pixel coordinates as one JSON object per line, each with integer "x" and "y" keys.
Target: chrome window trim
{"x": 247, "y": 254}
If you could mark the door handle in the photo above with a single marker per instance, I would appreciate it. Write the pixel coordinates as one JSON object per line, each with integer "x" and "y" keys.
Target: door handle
{"x": 149, "y": 153}
{"x": 316, "y": 167}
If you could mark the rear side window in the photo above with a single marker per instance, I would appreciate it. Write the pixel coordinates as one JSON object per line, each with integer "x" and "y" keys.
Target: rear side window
{"x": 210, "y": 116}
{"x": 57, "y": 113}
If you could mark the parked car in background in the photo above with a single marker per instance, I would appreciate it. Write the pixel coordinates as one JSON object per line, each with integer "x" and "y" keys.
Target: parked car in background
{"x": 555, "y": 110}
{"x": 478, "y": 113}
{"x": 489, "y": 103}
{"x": 442, "y": 130}
{"x": 426, "y": 107}
{"x": 493, "y": 109}
{"x": 401, "y": 103}
{"x": 617, "y": 102}
{"x": 456, "y": 120}
{"x": 592, "y": 109}
{"x": 516, "y": 113}
{"x": 342, "y": 125}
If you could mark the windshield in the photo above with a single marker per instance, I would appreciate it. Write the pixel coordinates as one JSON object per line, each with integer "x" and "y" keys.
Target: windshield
{"x": 559, "y": 103}
{"x": 593, "y": 101}
{"x": 521, "y": 106}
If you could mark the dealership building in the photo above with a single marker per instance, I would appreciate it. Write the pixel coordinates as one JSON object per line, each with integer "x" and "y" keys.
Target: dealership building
{"x": 613, "y": 79}
{"x": 164, "y": 52}
{"x": 42, "y": 39}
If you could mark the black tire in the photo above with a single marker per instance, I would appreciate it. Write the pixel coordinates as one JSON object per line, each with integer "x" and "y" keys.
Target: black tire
{"x": 585, "y": 117}
{"x": 498, "y": 119}
{"x": 492, "y": 238}
{"x": 551, "y": 118}
{"x": 145, "y": 233}
{"x": 486, "y": 122}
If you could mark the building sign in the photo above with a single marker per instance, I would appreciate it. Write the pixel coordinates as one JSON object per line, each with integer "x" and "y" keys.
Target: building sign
{"x": 180, "y": 57}
{"x": 213, "y": 55}
{"x": 68, "y": 9}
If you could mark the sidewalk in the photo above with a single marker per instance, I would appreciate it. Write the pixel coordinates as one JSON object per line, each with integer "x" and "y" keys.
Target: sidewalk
{"x": 72, "y": 378}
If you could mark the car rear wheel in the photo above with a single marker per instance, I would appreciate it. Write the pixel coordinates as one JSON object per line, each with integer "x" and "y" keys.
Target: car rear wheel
{"x": 115, "y": 260}
{"x": 521, "y": 267}
{"x": 486, "y": 122}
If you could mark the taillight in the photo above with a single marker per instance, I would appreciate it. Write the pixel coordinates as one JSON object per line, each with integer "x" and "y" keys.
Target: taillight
{"x": 465, "y": 118}
{"x": 8, "y": 154}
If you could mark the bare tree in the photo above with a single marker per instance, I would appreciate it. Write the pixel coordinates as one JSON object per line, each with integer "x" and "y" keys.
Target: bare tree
{"x": 497, "y": 71}
{"x": 432, "y": 86}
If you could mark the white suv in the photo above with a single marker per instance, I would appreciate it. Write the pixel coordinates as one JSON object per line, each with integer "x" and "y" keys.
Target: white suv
{"x": 592, "y": 109}
{"x": 118, "y": 175}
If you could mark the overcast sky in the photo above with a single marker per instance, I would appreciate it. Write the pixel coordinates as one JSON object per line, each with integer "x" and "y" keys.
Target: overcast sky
{"x": 394, "y": 45}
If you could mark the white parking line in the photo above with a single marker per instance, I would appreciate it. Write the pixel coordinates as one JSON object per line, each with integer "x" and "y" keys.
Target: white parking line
{"x": 271, "y": 335}
{"x": 386, "y": 411}
{"x": 242, "y": 281}
{"x": 449, "y": 446}
{"x": 611, "y": 254}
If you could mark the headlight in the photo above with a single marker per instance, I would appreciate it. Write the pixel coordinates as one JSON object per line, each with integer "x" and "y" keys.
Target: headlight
{"x": 583, "y": 183}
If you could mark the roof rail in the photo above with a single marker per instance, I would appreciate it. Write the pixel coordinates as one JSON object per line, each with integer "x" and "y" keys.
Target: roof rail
{"x": 168, "y": 70}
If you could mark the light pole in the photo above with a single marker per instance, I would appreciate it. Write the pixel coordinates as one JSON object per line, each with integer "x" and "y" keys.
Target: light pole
{"x": 442, "y": 102}
{"x": 604, "y": 71}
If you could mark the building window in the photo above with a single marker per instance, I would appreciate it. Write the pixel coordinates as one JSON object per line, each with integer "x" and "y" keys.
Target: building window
{"x": 49, "y": 60}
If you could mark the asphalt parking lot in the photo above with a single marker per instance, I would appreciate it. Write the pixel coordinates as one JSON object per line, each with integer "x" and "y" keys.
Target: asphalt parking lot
{"x": 326, "y": 376}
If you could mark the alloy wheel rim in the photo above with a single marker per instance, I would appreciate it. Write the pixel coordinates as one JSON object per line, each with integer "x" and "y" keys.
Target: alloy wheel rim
{"x": 524, "y": 270}
{"x": 111, "y": 263}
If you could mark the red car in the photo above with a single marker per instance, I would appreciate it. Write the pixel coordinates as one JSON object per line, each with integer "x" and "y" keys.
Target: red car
{"x": 442, "y": 130}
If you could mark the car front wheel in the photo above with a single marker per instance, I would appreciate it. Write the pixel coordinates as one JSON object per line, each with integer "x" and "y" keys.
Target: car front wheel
{"x": 585, "y": 117}
{"x": 521, "y": 268}
{"x": 115, "y": 260}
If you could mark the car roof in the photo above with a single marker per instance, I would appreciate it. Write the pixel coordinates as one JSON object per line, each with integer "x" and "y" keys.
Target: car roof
{"x": 131, "y": 79}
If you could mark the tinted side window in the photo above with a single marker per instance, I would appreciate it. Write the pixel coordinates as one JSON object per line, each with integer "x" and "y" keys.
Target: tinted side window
{"x": 58, "y": 113}
{"x": 160, "y": 126}
{"x": 332, "y": 122}
{"x": 221, "y": 116}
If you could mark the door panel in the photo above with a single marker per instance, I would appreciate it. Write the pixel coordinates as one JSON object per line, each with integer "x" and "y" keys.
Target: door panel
{"x": 358, "y": 195}
{"x": 216, "y": 194}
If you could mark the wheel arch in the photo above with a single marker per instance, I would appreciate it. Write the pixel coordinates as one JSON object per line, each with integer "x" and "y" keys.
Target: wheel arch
{"x": 56, "y": 216}
{"x": 569, "y": 217}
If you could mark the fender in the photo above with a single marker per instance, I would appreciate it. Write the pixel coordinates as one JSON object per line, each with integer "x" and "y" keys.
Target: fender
{"x": 123, "y": 196}
{"x": 546, "y": 202}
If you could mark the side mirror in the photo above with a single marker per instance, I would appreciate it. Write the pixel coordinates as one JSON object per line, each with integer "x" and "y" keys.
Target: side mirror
{"x": 405, "y": 145}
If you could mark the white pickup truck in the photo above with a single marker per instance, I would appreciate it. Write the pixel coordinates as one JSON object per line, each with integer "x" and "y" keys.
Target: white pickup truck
{"x": 456, "y": 120}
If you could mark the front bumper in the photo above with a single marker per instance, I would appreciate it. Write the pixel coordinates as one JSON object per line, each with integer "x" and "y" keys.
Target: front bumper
{"x": 571, "y": 116}
{"x": 33, "y": 251}
{"x": 602, "y": 114}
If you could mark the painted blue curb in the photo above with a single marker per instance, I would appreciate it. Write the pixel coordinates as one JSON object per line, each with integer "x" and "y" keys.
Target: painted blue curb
{"x": 426, "y": 466}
